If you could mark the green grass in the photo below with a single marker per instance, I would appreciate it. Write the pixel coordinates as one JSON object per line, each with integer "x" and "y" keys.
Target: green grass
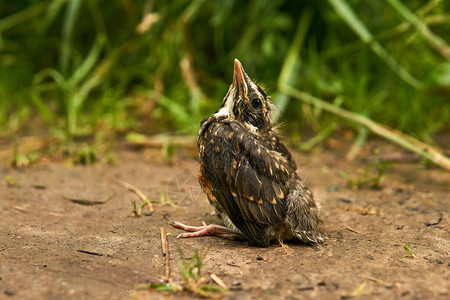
{"x": 373, "y": 174}
{"x": 190, "y": 270}
{"x": 407, "y": 248}
{"x": 80, "y": 71}
{"x": 193, "y": 280}
{"x": 10, "y": 181}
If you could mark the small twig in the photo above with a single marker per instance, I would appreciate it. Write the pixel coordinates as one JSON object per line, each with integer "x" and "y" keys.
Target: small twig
{"x": 369, "y": 211}
{"x": 218, "y": 281}
{"x": 56, "y": 214}
{"x": 138, "y": 192}
{"x": 351, "y": 229}
{"x": 39, "y": 186}
{"x": 435, "y": 222}
{"x": 232, "y": 265}
{"x": 165, "y": 248}
{"x": 379, "y": 281}
{"x": 90, "y": 252}
{"x": 401, "y": 157}
{"x": 20, "y": 209}
{"x": 359, "y": 291}
{"x": 159, "y": 140}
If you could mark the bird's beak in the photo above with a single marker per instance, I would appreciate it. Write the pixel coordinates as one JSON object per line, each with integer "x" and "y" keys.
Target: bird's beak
{"x": 239, "y": 79}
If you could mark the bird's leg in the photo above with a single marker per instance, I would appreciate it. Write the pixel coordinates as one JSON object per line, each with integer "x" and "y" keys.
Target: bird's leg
{"x": 212, "y": 229}
{"x": 284, "y": 246}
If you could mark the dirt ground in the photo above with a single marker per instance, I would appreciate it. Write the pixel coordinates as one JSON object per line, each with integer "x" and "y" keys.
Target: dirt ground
{"x": 45, "y": 221}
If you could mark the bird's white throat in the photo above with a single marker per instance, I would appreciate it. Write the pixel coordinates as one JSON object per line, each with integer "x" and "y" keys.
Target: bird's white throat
{"x": 227, "y": 109}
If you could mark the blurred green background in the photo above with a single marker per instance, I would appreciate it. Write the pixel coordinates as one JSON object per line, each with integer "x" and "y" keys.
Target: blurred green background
{"x": 83, "y": 68}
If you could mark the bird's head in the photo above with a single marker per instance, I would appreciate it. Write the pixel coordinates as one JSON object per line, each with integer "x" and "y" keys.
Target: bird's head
{"x": 247, "y": 102}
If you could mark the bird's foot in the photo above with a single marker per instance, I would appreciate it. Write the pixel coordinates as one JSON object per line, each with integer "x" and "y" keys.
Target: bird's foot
{"x": 284, "y": 246}
{"x": 212, "y": 229}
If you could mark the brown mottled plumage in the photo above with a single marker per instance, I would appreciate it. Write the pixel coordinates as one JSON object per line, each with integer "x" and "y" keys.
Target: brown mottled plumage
{"x": 248, "y": 174}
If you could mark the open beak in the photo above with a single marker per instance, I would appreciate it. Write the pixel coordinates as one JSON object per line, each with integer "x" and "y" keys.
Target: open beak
{"x": 239, "y": 79}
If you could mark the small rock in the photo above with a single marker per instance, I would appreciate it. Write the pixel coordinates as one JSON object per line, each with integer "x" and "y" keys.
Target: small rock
{"x": 9, "y": 293}
{"x": 236, "y": 283}
{"x": 345, "y": 200}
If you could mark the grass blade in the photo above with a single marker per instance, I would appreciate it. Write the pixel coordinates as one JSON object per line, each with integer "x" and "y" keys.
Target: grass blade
{"x": 408, "y": 249}
{"x": 289, "y": 72}
{"x": 43, "y": 110}
{"x": 22, "y": 16}
{"x": 89, "y": 62}
{"x": 54, "y": 75}
{"x": 361, "y": 139}
{"x": 385, "y": 35}
{"x": 319, "y": 137}
{"x": 52, "y": 12}
{"x": 255, "y": 26}
{"x": 390, "y": 134}
{"x": 71, "y": 15}
{"x": 439, "y": 44}
{"x": 348, "y": 16}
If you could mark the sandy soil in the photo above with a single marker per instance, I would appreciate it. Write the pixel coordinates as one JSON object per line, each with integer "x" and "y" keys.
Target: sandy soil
{"x": 42, "y": 229}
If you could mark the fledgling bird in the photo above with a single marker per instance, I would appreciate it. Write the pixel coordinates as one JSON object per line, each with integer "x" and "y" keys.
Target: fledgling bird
{"x": 248, "y": 174}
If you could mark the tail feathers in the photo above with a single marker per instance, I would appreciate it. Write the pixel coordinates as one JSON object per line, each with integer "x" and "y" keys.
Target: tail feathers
{"x": 310, "y": 237}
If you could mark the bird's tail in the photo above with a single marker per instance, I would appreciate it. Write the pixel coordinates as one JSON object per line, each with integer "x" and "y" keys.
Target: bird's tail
{"x": 303, "y": 215}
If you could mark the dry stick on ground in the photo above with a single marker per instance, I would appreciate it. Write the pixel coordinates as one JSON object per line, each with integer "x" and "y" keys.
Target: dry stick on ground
{"x": 391, "y": 134}
{"x": 159, "y": 140}
{"x": 218, "y": 281}
{"x": 138, "y": 192}
{"x": 351, "y": 229}
{"x": 380, "y": 282}
{"x": 165, "y": 248}
{"x": 20, "y": 209}
{"x": 187, "y": 63}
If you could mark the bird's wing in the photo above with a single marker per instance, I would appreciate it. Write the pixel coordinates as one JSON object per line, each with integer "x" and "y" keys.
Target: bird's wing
{"x": 247, "y": 178}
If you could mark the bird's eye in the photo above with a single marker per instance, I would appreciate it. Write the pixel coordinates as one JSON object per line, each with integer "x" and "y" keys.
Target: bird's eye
{"x": 256, "y": 103}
